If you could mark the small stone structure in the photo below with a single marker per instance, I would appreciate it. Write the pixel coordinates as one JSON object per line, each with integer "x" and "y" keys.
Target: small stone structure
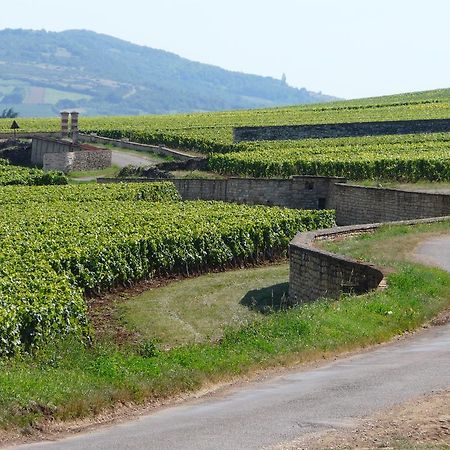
{"x": 63, "y": 155}
{"x": 42, "y": 146}
{"x": 83, "y": 160}
{"x": 337, "y": 130}
{"x": 67, "y": 155}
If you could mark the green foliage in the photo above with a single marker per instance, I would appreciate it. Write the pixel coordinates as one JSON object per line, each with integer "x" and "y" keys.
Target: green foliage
{"x": 54, "y": 249}
{"x": 406, "y": 158}
{"x": 402, "y": 157}
{"x": 59, "y": 376}
{"x": 88, "y": 193}
{"x": 16, "y": 175}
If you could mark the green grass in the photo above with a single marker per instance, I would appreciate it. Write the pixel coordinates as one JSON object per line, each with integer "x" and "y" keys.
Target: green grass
{"x": 53, "y": 96}
{"x": 389, "y": 245}
{"x": 198, "y": 309}
{"x": 108, "y": 172}
{"x": 68, "y": 381}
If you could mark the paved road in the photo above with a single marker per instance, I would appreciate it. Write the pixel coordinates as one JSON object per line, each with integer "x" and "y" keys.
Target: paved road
{"x": 280, "y": 409}
{"x": 123, "y": 159}
{"x": 435, "y": 252}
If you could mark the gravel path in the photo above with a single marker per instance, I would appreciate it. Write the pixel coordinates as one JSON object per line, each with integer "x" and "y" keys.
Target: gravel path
{"x": 281, "y": 409}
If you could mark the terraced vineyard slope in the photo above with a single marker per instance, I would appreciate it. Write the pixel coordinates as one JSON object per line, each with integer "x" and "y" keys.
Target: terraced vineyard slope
{"x": 408, "y": 158}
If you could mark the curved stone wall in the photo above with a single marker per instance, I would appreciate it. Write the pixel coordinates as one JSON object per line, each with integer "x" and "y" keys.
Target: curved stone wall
{"x": 316, "y": 273}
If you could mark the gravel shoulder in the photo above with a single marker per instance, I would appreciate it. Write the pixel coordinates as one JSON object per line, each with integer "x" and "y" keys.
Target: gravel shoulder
{"x": 423, "y": 422}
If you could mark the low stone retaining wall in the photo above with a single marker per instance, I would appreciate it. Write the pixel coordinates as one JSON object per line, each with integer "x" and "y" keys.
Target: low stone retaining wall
{"x": 316, "y": 273}
{"x": 137, "y": 147}
{"x": 78, "y": 161}
{"x": 337, "y": 130}
{"x": 301, "y": 192}
{"x": 360, "y": 204}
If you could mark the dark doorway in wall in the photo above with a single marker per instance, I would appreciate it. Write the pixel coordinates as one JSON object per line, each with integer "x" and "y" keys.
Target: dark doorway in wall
{"x": 321, "y": 203}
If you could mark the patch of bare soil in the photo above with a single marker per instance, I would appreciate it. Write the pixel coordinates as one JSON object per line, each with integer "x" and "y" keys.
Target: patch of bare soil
{"x": 422, "y": 423}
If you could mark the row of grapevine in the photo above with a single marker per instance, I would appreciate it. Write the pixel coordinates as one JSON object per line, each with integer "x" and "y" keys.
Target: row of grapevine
{"x": 54, "y": 250}
{"x": 394, "y": 161}
{"x": 88, "y": 193}
{"x": 16, "y": 175}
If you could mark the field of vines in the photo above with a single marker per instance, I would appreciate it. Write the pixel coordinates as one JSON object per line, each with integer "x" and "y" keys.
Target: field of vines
{"x": 392, "y": 157}
{"x": 404, "y": 158}
{"x": 61, "y": 243}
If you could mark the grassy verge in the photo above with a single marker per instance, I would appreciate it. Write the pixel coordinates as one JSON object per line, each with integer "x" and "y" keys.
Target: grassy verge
{"x": 68, "y": 381}
{"x": 108, "y": 172}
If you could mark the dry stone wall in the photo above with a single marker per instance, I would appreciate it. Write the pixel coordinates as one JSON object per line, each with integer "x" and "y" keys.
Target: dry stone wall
{"x": 301, "y": 192}
{"x": 316, "y": 273}
{"x": 78, "y": 161}
{"x": 359, "y": 204}
{"x": 337, "y": 130}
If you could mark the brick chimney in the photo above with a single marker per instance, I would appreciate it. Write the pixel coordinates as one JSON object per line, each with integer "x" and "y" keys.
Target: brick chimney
{"x": 74, "y": 126}
{"x": 64, "y": 124}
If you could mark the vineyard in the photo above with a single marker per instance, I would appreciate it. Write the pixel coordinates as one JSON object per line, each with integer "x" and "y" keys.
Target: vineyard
{"x": 392, "y": 157}
{"x": 60, "y": 243}
{"x": 406, "y": 158}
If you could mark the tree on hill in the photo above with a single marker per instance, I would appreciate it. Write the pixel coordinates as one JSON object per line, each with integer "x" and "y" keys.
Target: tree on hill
{"x": 8, "y": 113}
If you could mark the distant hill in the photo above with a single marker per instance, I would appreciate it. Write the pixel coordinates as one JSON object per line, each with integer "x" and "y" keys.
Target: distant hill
{"x": 43, "y": 72}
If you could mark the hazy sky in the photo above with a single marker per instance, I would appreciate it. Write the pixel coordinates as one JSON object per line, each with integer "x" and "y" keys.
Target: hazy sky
{"x": 347, "y": 48}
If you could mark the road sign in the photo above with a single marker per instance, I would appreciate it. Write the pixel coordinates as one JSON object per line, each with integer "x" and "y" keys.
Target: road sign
{"x": 14, "y": 126}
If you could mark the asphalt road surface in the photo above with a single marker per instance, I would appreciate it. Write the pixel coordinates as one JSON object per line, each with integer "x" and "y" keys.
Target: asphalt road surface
{"x": 435, "y": 252}
{"x": 123, "y": 159}
{"x": 281, "y": 409}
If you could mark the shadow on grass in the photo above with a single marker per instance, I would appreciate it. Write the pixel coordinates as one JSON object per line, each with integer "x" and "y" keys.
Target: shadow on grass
{"x": 268, "y": 299}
